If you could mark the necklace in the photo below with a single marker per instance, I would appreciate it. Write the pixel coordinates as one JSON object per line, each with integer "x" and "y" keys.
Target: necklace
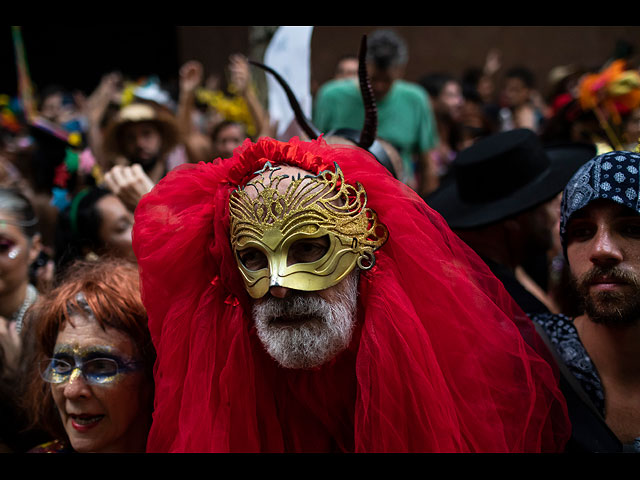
{"x": 29, "y": 298}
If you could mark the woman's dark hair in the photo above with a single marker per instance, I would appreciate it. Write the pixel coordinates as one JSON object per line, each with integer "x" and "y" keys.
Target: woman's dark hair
{"x": 51, "y": 90}
{"x": 77, "y": 231}
{"x": 570, "y": 124}
{"x": 433, "y": 83}
{"x": 524, "y": 74}
{"x": 225, "y": 124}
{"x": 18, "y": 205}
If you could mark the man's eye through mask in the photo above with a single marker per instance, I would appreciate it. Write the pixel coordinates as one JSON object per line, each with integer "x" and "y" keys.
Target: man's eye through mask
{"x": 306, "y": 237}
{"x": 301, "y": 251}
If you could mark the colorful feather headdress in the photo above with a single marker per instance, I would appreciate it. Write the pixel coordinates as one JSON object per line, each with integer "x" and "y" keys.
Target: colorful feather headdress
{"x": 609, "y": 94}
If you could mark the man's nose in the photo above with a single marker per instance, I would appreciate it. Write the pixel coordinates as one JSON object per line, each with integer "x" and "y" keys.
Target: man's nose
{"x": 605, "y": 249}
{"x": 140, "y": 141}
{"x": 279, "y": 292}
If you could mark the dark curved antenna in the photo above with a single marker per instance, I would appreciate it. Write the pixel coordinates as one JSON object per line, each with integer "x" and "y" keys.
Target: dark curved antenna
{"x": 366, "y": 138}
{"x": 302, "y": 120}
{"x": 370, "y": 128}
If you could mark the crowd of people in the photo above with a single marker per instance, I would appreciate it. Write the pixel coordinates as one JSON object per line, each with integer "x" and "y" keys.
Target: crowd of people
{"x": 446, "y": 265}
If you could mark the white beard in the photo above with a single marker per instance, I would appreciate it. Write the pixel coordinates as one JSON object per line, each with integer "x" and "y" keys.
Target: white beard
{"x": 317, "y": 330}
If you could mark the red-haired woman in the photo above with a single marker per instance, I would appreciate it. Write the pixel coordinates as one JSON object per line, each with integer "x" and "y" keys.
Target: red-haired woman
{"x": 94, "y": 391}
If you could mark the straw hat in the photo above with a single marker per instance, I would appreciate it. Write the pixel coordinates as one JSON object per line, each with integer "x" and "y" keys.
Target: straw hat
{"x": 138, "y": 113}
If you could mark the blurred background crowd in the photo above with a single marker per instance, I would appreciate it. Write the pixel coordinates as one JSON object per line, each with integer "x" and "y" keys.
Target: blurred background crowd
{"x": 85, "y": 132}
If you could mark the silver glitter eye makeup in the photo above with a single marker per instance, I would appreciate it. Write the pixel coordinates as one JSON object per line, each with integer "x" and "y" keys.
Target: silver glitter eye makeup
{"x": 96, "y": 365}
{"x": 96, "y": 371}
{"x": 14, "y": 253}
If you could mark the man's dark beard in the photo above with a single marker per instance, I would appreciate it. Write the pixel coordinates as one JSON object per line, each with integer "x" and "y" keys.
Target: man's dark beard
{"x": 147, "y": 164}
{"x": 610, "y": 308}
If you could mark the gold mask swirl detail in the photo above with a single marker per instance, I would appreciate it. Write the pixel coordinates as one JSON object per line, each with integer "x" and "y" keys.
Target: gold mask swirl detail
{"x": 269, "y": 221}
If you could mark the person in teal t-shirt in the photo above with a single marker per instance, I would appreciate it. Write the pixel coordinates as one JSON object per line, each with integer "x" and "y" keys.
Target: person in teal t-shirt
{"x": 405, "y": 116}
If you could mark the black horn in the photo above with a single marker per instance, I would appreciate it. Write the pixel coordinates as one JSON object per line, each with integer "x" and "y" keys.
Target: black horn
{"x": 370, "y": 128}
{"x": 302, "y": 120}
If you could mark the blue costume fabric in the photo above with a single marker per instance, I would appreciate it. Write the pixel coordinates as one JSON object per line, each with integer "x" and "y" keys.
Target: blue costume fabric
{"x": 565, "y": 339}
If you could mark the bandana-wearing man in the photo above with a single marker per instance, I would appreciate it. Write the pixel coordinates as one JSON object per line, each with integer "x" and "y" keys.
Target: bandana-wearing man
{"x": 301, "y": 299}
{"x": 597, "y": 350}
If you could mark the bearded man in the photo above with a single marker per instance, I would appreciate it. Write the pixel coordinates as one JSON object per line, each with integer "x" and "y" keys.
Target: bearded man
{"x": 301, "y": 299}
{"x": 598, "y": 350}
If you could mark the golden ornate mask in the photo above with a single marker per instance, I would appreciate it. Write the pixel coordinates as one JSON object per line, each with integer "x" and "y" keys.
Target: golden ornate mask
{"x": 307, "y": 237}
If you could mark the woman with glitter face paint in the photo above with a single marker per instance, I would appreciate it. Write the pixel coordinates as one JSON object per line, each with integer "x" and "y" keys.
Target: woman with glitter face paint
{"x": 92, "y": 384}
{"x": 20, "y": 245}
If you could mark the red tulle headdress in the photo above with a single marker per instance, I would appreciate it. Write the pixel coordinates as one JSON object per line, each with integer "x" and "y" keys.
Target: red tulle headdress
{"x": 442, "y": 359}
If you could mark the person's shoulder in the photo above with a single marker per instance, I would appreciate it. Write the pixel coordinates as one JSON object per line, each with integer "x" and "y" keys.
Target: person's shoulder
{"x": 339, "y": 87}
{"x": 54, "y": 446}
{"x": 410, "y": 88}
{"x": 410, "y": 94}
{"x": 557, "y": 325}
{"x": 548, "y": 318}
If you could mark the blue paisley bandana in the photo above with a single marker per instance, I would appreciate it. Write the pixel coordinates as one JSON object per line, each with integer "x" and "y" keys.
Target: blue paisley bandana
{"x": 612, "y": 175}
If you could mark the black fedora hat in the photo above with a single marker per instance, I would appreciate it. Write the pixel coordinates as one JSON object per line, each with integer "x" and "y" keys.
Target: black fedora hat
{"x": 505, "y": 174}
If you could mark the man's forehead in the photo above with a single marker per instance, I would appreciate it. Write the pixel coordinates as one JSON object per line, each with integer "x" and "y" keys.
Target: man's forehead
{"x": 611, "y": 208}
{"x": 290, "y": 171}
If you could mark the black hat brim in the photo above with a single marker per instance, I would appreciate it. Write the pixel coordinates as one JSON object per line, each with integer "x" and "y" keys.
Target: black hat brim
{"x": 564, "y": 162}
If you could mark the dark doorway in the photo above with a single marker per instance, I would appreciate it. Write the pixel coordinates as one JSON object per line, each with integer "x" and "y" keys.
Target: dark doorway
{"x": 76, "y": 57}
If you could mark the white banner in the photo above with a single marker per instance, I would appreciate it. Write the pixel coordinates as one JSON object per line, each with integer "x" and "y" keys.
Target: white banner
{"x": 289, "y": 53}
